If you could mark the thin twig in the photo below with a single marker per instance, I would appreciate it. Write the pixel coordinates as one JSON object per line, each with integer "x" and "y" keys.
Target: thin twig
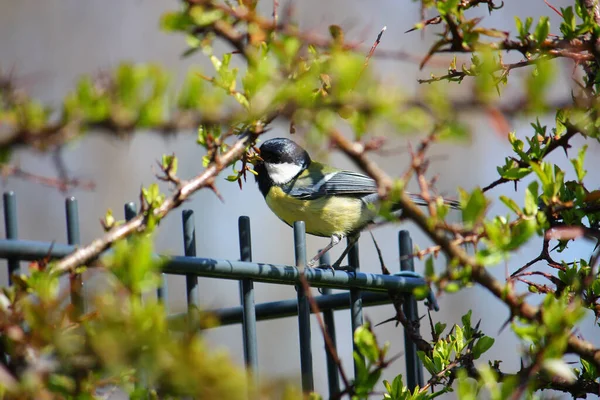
{"x": 562, "y": 142}
{"x": 326, "y": 337}
{"x": 62, "y": 183}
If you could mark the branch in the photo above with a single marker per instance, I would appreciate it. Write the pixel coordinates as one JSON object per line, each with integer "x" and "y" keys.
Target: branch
{"x": 87, "y": 253}
{"x": 518, "y": 307}
{"x": 505, "y": 68}
{"x": 62, "y": 184}
{"x": 55, "y": 135}
{"x": 562, "y": 142}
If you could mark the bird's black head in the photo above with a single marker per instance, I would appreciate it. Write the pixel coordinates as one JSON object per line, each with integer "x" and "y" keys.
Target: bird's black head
{"x": 284, "y": 151}
{"x": 282, "y": 161}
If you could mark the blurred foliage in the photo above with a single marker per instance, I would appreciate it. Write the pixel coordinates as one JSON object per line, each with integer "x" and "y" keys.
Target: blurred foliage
{"x": 121, "y": 340}
{"x": 318, "y": 84}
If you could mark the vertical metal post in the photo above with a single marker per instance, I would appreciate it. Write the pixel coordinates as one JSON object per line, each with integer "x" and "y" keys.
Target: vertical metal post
{"x": 74, "y": 238}
{"x": 247, "y": 300}
{"x": 414, "y": 369}
{"x": 306, "y": 366}
{"x": 10, "y": 226}
{"x": 189, "y": 248}
{"x": 355, "y": 296}
{"x": 333, "y": 377}
{"x": 162, "y": 291}
{"x": 130, "y": 211}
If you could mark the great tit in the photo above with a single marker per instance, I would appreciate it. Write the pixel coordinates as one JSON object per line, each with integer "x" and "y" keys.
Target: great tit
{"x": 332, "y": 203}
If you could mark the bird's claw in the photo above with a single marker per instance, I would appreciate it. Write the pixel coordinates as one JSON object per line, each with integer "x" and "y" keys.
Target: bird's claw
{"x": 334, "y": 267}
{"x": 325, "y": 266}
{"x": 338, "y": 267}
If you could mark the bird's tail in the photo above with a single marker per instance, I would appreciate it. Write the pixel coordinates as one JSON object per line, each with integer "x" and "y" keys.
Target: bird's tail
{"x": 418, "y": 200}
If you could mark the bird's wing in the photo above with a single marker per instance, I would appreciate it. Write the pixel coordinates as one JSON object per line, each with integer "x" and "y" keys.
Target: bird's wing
{"x": 346, "y": 183}
{"x": 336, "y": 183}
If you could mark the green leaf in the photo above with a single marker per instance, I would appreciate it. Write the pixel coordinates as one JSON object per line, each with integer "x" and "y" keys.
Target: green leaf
{"x": 427, "y": 362}
{"x": 538, "y": 84}
{"x": 452, "y": 287}
{"x": 589, "y": 370}
{"x": 421, "y": 292}
{"x": 203, "y": 18}
{"x": 467, "y": 387}
{"x": 466, "y": 319}
{"x": 438, "y": 361}
{"x": 515, "y": 173}
{"x": 531, "y": 199}
{"x": 175, "y": 21}
{"x": 542, "y": 30}
{"x": 447, "y": 7}
{"x": 170, "y": 163}
{"x": 191, "y": 93}
{"x": 482, "y": 345}
{"x": 520, "y": 232}
{"x": 459, "y": 339}
{"x": 109, "y": 219}
{"x": 387, "y": 385}
{"x": 578, "y": 163}
{"x": 215, "y": 62}
{"x": 366, "y": 343}
{"x": 510, "y": 203}
{"x": 569, "y": 24}
{"x": 439, "y": 328}
{"x": 337, "y": 34}
{"x": 133, "y": 263}
{"x": 429, "y": 267}
{"x": 5, "y": 155}
{"x": 314, "y": 396}
{"x": 490, "y": 257}
{"x": 473, "y": 207}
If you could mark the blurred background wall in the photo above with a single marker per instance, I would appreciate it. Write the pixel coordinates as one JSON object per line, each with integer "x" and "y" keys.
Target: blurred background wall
{"x": 50, "y": 43}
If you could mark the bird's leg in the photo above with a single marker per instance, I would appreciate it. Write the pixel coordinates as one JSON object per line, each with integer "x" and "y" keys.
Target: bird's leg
{"x": 351, "y": 242}
{"x": 335, "y": 239}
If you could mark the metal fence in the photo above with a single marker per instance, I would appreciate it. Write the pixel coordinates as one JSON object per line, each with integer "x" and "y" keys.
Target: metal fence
{"x": 363, "y": 289}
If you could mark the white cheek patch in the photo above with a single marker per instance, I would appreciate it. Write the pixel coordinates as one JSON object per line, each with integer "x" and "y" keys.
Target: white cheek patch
{"x": 282, "y": 173}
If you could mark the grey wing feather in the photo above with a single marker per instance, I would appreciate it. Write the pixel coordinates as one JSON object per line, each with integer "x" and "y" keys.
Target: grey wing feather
{"x": 340, "y": 183}
{"x": 348, "y": 183}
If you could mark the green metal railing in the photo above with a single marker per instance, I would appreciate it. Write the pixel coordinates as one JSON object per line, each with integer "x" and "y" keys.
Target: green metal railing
{"x": 364, "y": 289}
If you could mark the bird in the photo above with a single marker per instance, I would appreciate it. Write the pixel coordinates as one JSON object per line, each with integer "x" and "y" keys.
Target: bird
{"x": 333, "y": 203}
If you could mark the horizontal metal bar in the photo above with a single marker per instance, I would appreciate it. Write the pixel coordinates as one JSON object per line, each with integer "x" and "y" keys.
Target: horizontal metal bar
{"x": 289, "y": 308}
{"x": 30, "y": 250}
{"x": 227, "y": 269}
{"x": 288, "y": 275}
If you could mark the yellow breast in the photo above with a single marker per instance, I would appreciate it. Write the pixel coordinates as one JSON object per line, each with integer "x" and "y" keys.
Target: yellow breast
{"x": 323, "y": 217}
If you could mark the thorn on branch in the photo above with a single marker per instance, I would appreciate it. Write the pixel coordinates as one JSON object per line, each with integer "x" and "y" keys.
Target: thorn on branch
{"x": 384, "y": 269}
{"x": 374, "y": 47}
{"x": 214, "y": 189}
